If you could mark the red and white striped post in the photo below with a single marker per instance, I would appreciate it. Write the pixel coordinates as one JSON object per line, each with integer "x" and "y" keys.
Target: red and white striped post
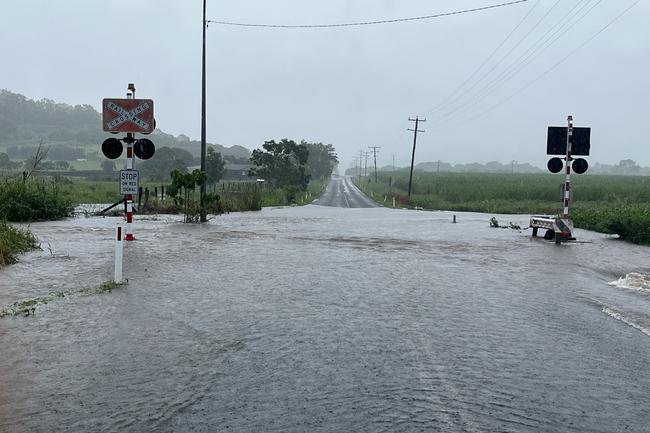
{"x": 129, "y": 166}
{"x": 567, "y": 183}
{"x": 129, "y": 197}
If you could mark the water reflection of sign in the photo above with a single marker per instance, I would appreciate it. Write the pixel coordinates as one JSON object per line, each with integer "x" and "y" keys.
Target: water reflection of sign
{"x": 128, "y": 115}
{"x": 129, "y": 182}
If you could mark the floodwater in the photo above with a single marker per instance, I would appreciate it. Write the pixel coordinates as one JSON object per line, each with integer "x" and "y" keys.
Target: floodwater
{"x": 320, "y": 318}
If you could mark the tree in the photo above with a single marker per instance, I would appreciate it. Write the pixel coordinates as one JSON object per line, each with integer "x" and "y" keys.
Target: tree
{"x": 322, "y": 159}
{"x": 166, "y": 160}
{"x": 628, "y": 166}
{"x": 6, "y": 163}
{"x": 214, "y": 166}
{"x": 284, "y": 163}
{"x": 186, "y": 183}
{"x": 34, "y": 163}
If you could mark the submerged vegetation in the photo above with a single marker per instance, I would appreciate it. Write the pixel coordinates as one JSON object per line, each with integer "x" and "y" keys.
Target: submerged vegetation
{"x": 14, "y": 241}
{"x": 609, "y": 204}
{"x": 28, "y": 307}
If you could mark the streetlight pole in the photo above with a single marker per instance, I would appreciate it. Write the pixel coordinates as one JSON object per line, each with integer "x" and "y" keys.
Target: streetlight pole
{"x": 203, "y": 145}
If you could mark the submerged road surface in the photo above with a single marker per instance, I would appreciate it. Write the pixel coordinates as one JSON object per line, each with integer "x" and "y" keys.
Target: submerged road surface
{"x": 341, "y": 192}
{"x": 325, "y": 319}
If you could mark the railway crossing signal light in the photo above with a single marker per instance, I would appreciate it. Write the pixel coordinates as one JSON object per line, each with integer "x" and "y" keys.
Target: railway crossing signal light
{"x": 580, "y": 165}
{"x": 555, "y": 165}
{"x": 144, "y": 148}
{"x": 556, "y": 144}
{"x": 112, "y": 148}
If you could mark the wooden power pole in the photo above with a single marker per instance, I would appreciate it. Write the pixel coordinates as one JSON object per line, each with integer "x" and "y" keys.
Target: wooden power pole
{"x": 374, "y": 152}
{"x": 415, "y": 130}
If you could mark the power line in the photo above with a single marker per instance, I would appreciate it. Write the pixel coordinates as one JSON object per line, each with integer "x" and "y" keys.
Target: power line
{"x": 564, "y": 59}
{"x": 487, "y": 59}
{"x": 487, "y": 73}
{"x": 366, "y": 23}
{"x": 533, "y": 51}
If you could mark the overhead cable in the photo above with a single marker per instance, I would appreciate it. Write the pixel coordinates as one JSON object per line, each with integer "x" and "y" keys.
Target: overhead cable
{"x": 558, "y": 63}
{"x": 365, "y": 23}
{"x": 533, "y": 51}
{"x": 449, "y": 97}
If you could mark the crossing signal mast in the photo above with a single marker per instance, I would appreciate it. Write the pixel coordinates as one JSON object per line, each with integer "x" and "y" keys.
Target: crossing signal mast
{"x": 129, "y": 116}
{"x": 567, "y": 141}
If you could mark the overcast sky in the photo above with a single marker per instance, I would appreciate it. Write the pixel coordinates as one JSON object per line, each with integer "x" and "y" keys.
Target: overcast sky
{"x": 352, "y": 87}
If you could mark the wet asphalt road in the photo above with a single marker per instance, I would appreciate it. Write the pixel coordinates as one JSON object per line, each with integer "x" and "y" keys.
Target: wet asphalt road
{"x": 328, "y": 319}
{"x": 341, "y": 192}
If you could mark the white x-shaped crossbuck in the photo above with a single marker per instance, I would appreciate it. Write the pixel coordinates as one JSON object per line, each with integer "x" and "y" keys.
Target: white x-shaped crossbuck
{"x": 128, "y": 116}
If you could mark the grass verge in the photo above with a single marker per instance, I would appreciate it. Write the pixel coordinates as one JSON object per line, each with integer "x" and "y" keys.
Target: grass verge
{"x": 607, "y": 204}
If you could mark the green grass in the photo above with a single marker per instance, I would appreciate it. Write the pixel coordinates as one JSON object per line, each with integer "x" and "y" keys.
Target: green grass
{"x": 609, "y": 204}
{"x": 90, "y": 191}
{"x": 14, "y": 241}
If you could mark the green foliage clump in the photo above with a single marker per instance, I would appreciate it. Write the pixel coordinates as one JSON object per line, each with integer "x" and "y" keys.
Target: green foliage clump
{"x": 32, "y": 200}
{"x": 321, "y": 161}
{"x": 283, "y": 163}
{"x": 631, "y": 222}
{"x": 186, "y": 183}
{"x": 14, "y": 241}
{"x": 214, "y": 166}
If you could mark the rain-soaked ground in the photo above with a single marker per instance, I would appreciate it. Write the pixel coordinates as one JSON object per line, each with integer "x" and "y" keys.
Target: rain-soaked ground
{"x": 328, "y": 319}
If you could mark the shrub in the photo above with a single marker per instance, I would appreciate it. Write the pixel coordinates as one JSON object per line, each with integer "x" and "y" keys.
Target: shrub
{"x": 32, "y": 200}
{"x": 14, "y": 241}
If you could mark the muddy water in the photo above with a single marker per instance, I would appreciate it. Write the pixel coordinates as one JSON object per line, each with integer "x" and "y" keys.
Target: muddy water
{"x": 327, "y": 319}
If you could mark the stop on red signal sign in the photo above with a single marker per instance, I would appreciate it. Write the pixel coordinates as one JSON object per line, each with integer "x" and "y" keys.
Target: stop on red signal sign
{"x": 128, "y": 115}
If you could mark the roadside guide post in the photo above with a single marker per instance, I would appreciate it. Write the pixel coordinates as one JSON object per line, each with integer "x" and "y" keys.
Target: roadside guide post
{"x": 119, "y": 254}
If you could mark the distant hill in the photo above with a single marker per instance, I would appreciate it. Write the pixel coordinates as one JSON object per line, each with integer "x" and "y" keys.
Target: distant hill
{"x": 70, "y": 130}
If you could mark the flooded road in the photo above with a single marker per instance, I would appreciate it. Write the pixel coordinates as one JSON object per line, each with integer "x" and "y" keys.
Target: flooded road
{"x": 329, "y": 319}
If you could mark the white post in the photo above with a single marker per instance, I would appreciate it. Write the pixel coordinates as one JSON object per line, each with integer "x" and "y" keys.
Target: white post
{"x": 119, "y": 253}
{"x": 393, "y": 201}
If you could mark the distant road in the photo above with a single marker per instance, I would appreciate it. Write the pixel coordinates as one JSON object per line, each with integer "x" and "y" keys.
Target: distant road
{"x": 341, "y": 192}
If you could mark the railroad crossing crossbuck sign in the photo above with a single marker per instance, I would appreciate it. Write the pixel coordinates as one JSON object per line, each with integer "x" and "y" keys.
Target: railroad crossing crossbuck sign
{"x": 128, "y": 115}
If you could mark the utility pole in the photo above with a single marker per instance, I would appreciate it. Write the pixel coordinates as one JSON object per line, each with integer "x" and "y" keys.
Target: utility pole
{"x": 360, "y": 164}
{"x": 374, "y": 152}
{"x": 415, "y": 130}
{"x": 203, "y": 145}
{"x": 393, "y": 162}
{"x": 365, "y": 170}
